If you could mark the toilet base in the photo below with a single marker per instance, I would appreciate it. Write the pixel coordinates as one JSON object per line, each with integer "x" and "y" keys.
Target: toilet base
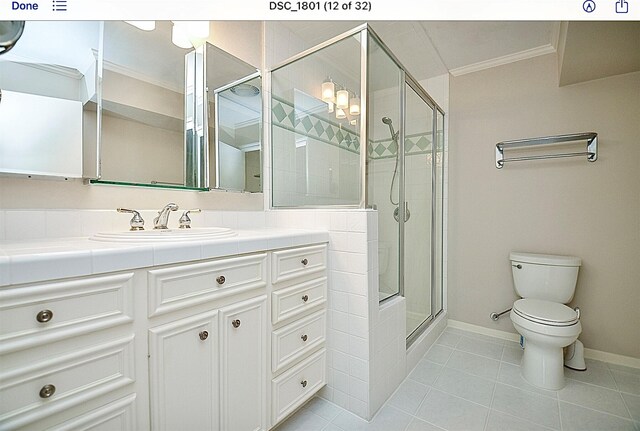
{"x": 543, "y": 366}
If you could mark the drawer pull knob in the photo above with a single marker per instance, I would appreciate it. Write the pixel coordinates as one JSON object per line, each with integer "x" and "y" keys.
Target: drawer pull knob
{"x": 47, "y": 391}
{"x": 203, "y": 335}
{"x": 235, "y": 323}
{"x": 304, "y": 337}
{"x": 44, "y": 316}
{"x": 221, "y": 279}
{"x": 305, "y": 262}
{"x": 304, "y": 383}
{"x": 305, "y": 298}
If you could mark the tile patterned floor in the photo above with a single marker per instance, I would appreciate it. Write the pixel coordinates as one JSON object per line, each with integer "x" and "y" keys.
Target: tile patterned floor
{"x": 468, "y": 381}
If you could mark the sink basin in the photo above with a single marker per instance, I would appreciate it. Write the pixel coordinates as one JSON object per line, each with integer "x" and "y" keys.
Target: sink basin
{"x": 166, "y": 235}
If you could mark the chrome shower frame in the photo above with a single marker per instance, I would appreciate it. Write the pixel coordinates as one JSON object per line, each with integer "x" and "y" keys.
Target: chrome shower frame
{"x": 406, "y": 78}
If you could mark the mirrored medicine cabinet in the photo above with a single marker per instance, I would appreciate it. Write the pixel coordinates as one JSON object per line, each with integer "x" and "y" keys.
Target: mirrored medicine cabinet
{"x": 47, "y": 85}
{"x": 144, "y": 112}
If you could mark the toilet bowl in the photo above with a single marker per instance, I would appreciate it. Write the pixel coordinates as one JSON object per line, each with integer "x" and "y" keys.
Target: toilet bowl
{"x": 545, "y": 283}
{"x": 547, "y": 328}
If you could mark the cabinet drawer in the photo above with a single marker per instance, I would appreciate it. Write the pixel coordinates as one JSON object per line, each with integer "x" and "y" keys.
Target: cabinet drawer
{"x": 38, "y": 314}
{"x": 118, "y": 415}
{"x": 297, "y": 385}
{"x": 53, "y": 385}
{"x": 292, "y": 342}
{"x": 296, "y": 300}
{"x": 184, "y": 286}
{"x": 288, "y": 264}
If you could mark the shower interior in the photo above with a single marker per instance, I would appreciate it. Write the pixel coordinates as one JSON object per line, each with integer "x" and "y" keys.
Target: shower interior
{"x": 318, "y": 160}
{"x": 404, "y": 182}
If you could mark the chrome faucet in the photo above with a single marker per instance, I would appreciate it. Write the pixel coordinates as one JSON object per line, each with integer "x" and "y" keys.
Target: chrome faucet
{"x": 161, "y": 221}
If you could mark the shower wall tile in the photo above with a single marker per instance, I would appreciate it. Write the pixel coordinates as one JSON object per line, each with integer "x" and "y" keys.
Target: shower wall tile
{"x": 358, "y": 306}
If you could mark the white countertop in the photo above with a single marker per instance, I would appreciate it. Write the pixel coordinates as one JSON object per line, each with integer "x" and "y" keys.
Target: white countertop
{"x": 49, "y": 259}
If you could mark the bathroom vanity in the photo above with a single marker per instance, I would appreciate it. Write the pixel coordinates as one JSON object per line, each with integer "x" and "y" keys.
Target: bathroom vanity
{"x": 185, "y": 335}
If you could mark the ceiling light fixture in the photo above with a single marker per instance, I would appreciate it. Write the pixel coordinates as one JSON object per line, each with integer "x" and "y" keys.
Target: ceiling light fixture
{"x": 354, "y": 105}
{"x": 143, "y": 25}
{"x": 342, "y": 99}
{"x": 188, "y": 34}
{"x": 328, "y": 91}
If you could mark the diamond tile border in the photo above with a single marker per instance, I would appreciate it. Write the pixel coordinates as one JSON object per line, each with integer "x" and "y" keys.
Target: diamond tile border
{"x": 286, "y": 116}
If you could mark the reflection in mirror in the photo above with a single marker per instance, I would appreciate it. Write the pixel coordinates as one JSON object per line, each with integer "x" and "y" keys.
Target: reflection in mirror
{"x": 156, "y": 127}
{"x": 142, "y": 106}
{"x": 238, "y": 133}
{"x": 48, "y": 89}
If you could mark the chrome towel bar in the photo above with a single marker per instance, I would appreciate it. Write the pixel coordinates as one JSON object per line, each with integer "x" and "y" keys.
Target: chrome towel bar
{"x": 590, "y": 137}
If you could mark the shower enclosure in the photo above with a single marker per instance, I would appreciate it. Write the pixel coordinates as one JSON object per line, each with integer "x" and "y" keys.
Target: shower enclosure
{"x": 351, "y": 128}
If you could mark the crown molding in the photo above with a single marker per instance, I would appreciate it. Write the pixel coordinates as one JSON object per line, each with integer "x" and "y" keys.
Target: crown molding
{"x": 505, "y": 59}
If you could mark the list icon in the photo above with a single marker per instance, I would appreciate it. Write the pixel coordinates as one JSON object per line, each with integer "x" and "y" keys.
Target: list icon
{"x": 59, "y": 5}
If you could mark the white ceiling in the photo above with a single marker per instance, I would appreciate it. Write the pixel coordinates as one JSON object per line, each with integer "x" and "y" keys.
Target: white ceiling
{"x": 431, "y": 48}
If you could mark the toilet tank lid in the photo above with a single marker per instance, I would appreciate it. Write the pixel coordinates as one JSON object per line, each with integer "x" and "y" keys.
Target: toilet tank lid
{"x": 545, "y": 259}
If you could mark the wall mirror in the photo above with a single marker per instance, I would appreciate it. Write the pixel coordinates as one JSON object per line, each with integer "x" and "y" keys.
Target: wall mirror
{"x": 238, "y": 131}
{"x": 48, "y": 88}
{"x": 156, "y": 129}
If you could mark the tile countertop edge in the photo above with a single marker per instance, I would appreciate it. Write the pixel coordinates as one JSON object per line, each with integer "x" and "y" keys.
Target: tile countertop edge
{"x": 82, "y": 257}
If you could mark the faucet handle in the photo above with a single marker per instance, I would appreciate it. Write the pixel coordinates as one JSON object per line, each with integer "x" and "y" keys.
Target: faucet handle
{"x": 185, "y": 221}
{"x": 136, "y": 223}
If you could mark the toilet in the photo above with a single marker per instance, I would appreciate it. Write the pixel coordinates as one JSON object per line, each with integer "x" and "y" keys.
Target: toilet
{"x": 545, "y": 283}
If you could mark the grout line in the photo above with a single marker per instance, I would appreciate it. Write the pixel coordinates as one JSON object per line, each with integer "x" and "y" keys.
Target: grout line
{"x": 598, "y": 411}
{"x": 627, "y": 406}
{"x": 559, "y": 411}
{"x": 493, "y": 394}
{"x": 613, "y": 377}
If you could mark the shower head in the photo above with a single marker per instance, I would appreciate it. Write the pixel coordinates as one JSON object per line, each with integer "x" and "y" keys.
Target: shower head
{"x": 388, "y": 122}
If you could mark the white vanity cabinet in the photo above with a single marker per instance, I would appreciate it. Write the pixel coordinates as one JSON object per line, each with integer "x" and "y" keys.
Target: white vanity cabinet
{"x": 298, "y": 335}
{"x": 233, "y": 343}
{"x": 183, "y": 373}
{"x": 243, "y": 366}
{"x": 207, "y": 370}
{"x": 66, "y": 347}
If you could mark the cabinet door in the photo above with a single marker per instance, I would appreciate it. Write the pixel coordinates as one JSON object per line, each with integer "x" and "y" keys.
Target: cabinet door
{"x": 183, "y": 374}
{"x": 243, "y": 366}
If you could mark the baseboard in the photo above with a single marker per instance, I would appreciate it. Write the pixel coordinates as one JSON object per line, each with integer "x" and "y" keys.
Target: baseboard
{"x": 612, "y": 358}
{"x": 503, "y": 335}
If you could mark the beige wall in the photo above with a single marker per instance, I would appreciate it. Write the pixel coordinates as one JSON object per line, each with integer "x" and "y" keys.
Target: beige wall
{"x": 562, "y": 206}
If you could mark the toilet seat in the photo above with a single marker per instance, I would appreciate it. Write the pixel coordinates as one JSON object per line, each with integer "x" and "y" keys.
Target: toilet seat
{"x": 545, "y": 312}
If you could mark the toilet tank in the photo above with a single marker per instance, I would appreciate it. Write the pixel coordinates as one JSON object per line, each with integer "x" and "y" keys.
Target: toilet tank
{"x": 545, "y": 276}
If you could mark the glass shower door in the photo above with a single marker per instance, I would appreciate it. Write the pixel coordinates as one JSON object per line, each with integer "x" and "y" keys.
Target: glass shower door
{"x": 418, "y": 205}
{"x": 383, "y": 164}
